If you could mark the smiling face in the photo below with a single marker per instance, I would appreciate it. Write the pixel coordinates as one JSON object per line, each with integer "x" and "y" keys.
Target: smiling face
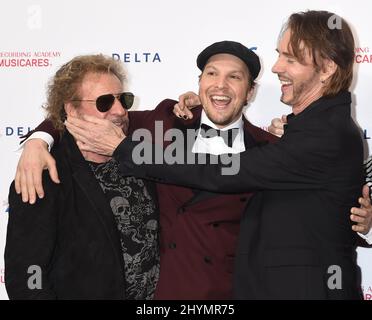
{"x": 301, "y": 82}
{"x": 224, "y": 88}
{"x": 95, "y": 85}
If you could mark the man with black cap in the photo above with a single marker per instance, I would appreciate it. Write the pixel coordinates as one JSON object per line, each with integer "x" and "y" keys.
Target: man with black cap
{"x": 199, "y": 229}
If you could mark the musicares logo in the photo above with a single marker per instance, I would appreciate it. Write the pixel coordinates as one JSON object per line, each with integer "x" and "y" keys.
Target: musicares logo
{"x": 27, "y": 59}
{"x": 367, "y": 292}
{"x": 363, "y": 55}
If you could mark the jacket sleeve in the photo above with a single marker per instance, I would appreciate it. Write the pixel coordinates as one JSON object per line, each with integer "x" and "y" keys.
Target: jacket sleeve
{"x": 30, "y": 244}
{"x": 45, "y": 126}
{"x": 146, "y": 119}
{"x": 299, "y": 161}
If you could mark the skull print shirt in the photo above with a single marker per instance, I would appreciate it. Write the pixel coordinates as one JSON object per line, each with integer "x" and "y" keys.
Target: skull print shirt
{"x": 368, "y": 165}
{"x": 134, "y": 206}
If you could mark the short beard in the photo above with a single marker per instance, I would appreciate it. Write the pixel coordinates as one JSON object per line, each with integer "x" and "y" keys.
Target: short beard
{"x": 123, "y": 123}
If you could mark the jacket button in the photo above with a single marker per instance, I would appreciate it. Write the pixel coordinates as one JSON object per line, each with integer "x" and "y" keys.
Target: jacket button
{"x": 215, "y": 224}
{"x": 207, "y": 260}
{"x": 172, "y": 245}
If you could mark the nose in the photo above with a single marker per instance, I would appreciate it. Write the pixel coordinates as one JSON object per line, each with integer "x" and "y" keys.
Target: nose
{"x": 278, "y": 66}
{"x": 220, "y": 82}
{"x": 117, "y": 109}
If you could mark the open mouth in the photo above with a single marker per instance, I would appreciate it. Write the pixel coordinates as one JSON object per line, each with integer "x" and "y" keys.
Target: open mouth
{"x": 118, "y": 123}
{"x": 220, "y": 101}
{"x": 286, "y": 84}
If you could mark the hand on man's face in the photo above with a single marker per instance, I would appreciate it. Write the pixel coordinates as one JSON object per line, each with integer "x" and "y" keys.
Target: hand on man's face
{"x": 94, "y": 134}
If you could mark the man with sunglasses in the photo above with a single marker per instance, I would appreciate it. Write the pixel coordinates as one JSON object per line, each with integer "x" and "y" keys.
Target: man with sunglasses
{"x": 105, "y": 102}
{"x": 94, "y": 235}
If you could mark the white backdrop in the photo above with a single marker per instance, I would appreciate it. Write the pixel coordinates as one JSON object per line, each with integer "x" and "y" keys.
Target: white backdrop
{"x": 159, "y": 42}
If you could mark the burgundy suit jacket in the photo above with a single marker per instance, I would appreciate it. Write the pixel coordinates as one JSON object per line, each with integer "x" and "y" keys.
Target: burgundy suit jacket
{"x": 199, "y": 229}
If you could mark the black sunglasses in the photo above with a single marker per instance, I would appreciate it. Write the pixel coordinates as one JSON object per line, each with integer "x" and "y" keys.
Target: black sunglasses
{"x": 105, "y": 102}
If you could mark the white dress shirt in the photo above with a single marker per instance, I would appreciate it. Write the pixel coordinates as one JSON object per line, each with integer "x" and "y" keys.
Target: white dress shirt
{"x": 217, "y": 145}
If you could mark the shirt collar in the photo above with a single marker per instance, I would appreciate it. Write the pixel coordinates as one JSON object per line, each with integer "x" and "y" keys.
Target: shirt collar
{"x": 236, "y": 124}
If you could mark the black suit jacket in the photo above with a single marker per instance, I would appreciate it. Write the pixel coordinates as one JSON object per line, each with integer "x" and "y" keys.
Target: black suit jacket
{"x": 71, "y": 234}
{"x": 296, "y": 228}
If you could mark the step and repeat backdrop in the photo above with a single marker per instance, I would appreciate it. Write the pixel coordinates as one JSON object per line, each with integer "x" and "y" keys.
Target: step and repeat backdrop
{"x": 158, "y": 41}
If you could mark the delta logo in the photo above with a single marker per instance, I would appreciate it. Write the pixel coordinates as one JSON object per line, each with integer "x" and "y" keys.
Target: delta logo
{"x": 5, "y": 206}
{"x": 366, "y": 135}
{"x": 10, "y": 131}
{"x": 142, "y": 57}
{"x": 137, "y": 57}
{"x": 28, "y": 59}
{"x": 363, "y": 55}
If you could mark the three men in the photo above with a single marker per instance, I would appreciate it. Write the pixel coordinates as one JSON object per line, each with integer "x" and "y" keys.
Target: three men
{"x": 199, "y": 229}
{"x": 296, "y": 232}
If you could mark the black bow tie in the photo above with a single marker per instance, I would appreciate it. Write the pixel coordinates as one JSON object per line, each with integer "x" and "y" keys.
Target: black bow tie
{"x": 228, "y": 136}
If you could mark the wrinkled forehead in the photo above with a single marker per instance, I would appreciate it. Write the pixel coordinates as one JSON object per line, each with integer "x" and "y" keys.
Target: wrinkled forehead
{"x": 101, "y": 78}
{"x": 100, "y": 83}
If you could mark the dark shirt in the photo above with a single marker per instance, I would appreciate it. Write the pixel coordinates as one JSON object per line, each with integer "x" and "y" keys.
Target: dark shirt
{"x": 134, "y": 209}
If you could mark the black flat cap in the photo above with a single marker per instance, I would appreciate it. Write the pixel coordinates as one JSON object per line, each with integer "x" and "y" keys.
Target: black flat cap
{"x": 231, "y": 47}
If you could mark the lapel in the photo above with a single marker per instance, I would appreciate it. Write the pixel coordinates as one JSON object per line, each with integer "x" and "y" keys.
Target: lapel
{"x": 193, "y": 124}
{"x": 86, "y": 181}
{"x": 249, "y": 141}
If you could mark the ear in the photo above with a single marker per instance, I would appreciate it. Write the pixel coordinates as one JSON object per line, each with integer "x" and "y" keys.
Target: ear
{"x": 250, "y": 93}
{"x": 329, "y": 68}
{"x": 70, "y": 109}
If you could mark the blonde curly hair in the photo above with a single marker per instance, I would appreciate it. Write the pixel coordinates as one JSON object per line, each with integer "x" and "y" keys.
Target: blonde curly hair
{"x": 65, "y": 84}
